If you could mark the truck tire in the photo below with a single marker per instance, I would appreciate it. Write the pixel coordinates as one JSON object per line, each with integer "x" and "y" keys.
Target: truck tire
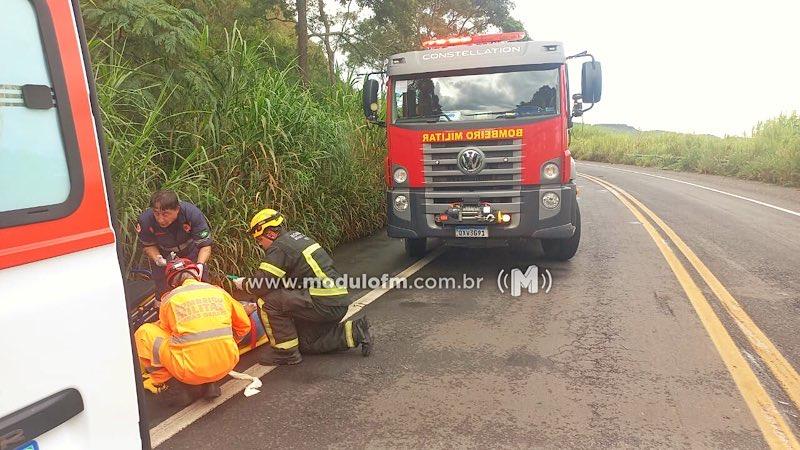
{"x": 416, "y": 247}
{"x": 564, "y": 249}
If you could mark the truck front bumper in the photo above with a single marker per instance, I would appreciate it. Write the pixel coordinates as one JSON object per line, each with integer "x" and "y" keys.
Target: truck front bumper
{"x": 533, "y": 220}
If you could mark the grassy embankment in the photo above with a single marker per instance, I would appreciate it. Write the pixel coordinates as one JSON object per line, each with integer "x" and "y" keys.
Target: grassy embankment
{"x": 771, "y": 155}
{"x": 233, "y": 130}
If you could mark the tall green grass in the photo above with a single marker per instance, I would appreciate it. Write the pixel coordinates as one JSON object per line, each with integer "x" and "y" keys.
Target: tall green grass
{"x": 771, "y": 155}
{"x": 238, "y": 134}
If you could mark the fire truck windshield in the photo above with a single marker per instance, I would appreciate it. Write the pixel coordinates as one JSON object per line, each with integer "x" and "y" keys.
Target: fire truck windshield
{"x": 483, "y": 96}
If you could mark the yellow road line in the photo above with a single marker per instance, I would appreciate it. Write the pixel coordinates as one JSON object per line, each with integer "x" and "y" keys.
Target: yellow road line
{"x": 783, "y": 371}
{"x": 774, "y": 428}
{"x": 700, "y": 186}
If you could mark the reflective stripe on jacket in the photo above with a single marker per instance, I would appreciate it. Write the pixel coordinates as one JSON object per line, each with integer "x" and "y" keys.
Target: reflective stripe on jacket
{"x": 204, "y": 323}
{"x": 295, "y": 261}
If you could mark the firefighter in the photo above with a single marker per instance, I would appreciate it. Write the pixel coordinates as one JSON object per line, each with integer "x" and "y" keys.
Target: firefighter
{"x": 428, "y": 102}
{"x": 171, "y": 228}
{"x": 195, "y": 338}
{"x": 296, "y": 283}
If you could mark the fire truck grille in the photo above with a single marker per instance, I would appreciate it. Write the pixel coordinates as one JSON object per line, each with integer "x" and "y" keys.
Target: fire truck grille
{"x": 498, "y": 183}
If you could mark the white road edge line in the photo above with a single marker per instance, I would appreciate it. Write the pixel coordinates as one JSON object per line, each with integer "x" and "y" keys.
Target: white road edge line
{"x": 758, "y": 202}
{"x": 198, "y": 409}
{"x": 374, "y": 294}
{"x": 185, "y": 417}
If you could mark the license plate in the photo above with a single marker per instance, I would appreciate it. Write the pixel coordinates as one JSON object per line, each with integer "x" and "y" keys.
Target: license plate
{"x": 472, "y": 232}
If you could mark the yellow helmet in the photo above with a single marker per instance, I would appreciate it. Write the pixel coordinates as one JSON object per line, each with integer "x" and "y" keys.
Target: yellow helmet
{"x": 266, "y": 218}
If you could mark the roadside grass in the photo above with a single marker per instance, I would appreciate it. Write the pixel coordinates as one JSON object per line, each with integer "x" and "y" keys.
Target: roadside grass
{"x": 240, "y": 135}
{"x": 771, "y": 155}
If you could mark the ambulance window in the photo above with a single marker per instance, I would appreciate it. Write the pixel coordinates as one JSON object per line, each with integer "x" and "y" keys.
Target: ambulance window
{"x": 35, "y": 182}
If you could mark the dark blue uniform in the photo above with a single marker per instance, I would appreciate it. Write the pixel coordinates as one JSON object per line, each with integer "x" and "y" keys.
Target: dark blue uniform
{"x": 185, "y": 237}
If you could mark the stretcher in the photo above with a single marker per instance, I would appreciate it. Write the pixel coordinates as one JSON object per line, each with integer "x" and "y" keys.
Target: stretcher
{"x": 141, "y": 302}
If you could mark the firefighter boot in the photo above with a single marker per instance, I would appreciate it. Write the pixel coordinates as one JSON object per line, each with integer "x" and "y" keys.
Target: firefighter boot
{"x": 211, "y": 391}
{"x": 174, "y": 393}
{"x": 281, "y": 358}
{"x": 363, "y": 336}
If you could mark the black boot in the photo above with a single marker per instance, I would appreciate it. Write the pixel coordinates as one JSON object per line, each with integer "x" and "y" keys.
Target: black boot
{"x": 363, "y": 337}
{"x": 211, "y": 391}
{"x": 173, "y": 393}
{"x": 276, "y": 357}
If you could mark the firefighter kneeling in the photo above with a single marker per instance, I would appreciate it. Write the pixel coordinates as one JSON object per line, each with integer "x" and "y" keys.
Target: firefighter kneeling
{"x": 194, "y": 339}
{"x": 302, "y": 316}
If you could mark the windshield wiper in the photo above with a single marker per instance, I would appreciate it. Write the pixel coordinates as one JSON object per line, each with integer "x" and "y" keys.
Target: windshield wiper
{"x": 428, "y": 116}
{"x": 516, "y": 113}
{"x": 487, "y": 113}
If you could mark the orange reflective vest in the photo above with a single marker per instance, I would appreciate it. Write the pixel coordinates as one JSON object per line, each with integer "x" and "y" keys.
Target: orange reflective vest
{"x": 204, "y": 323}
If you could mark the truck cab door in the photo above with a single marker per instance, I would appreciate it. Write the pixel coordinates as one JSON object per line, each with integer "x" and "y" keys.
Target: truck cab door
{"x": 69, "y": 377}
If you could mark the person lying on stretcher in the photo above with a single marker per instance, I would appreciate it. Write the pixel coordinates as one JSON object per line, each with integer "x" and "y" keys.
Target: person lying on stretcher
{"x": 194, "y": 343}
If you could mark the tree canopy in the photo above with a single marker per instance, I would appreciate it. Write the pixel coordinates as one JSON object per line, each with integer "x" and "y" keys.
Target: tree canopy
{"x": 401, "y": 25}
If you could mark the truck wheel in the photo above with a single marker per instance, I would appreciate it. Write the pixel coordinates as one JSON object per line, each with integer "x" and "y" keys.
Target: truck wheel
{"x": 416, "y": 247}
{"x": 564, "y": 249}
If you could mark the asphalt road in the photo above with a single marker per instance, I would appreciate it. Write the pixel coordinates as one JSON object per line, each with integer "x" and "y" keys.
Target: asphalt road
{"x": 615, "y": 355}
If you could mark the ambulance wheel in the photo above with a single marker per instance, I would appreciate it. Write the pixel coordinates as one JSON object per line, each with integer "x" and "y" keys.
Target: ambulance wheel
{"x": 564, "y": 249}
{"x": 416, "y": 247}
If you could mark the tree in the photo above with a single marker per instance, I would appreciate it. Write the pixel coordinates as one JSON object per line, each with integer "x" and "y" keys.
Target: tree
{"x": 401, "y": 25}
{"x": 147, "y": 29}
{"x": 301, "y": 28}
{"x": 326, "y": 40}
{"x": 284, "y": 11}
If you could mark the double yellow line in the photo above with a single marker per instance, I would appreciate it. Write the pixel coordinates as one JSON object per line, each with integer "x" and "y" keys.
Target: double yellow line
{"x": 772, "y": 424}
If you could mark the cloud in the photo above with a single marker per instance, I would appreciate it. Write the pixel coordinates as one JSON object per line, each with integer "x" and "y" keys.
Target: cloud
{"x": 682, "y": 65}
{"x": 491, "y": 92}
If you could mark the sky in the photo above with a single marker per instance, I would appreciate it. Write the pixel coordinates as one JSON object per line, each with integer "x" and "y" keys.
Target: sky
{"x": 702, "y": 66}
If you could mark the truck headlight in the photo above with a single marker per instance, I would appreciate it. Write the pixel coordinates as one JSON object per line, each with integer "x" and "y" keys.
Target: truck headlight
{"x": 401, "y": 203}
{"x": 550, "y": 171}
{"x": 551, "y": 200}
{"x": 400, "y": 175}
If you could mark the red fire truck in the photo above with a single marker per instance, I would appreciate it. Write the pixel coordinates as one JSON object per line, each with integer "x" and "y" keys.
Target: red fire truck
{"x": 478, "y": 141}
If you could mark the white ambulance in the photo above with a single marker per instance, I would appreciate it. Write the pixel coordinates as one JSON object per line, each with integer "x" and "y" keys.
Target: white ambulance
{"x": 68, "y": 374}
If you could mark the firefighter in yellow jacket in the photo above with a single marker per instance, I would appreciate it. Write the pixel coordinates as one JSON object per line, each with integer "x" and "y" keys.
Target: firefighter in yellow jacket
{"x": 302, "y": 304}
{"x": 195, "y": 339}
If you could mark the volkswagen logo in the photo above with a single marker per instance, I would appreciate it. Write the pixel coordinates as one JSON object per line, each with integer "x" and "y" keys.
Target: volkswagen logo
{"x": 471, "y": 160}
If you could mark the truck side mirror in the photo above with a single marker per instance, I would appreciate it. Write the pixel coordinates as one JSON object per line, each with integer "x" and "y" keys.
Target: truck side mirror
{"x": 591, "y": 81}
{"x": 370, "y": 98}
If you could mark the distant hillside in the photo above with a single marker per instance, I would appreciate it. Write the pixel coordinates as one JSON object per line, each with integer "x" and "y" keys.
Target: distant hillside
{"x": 627, "y": 129}
{"x": 618, "y": 127}
{"x": 771, "y": 154}
{"x": 678, "y": 132}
